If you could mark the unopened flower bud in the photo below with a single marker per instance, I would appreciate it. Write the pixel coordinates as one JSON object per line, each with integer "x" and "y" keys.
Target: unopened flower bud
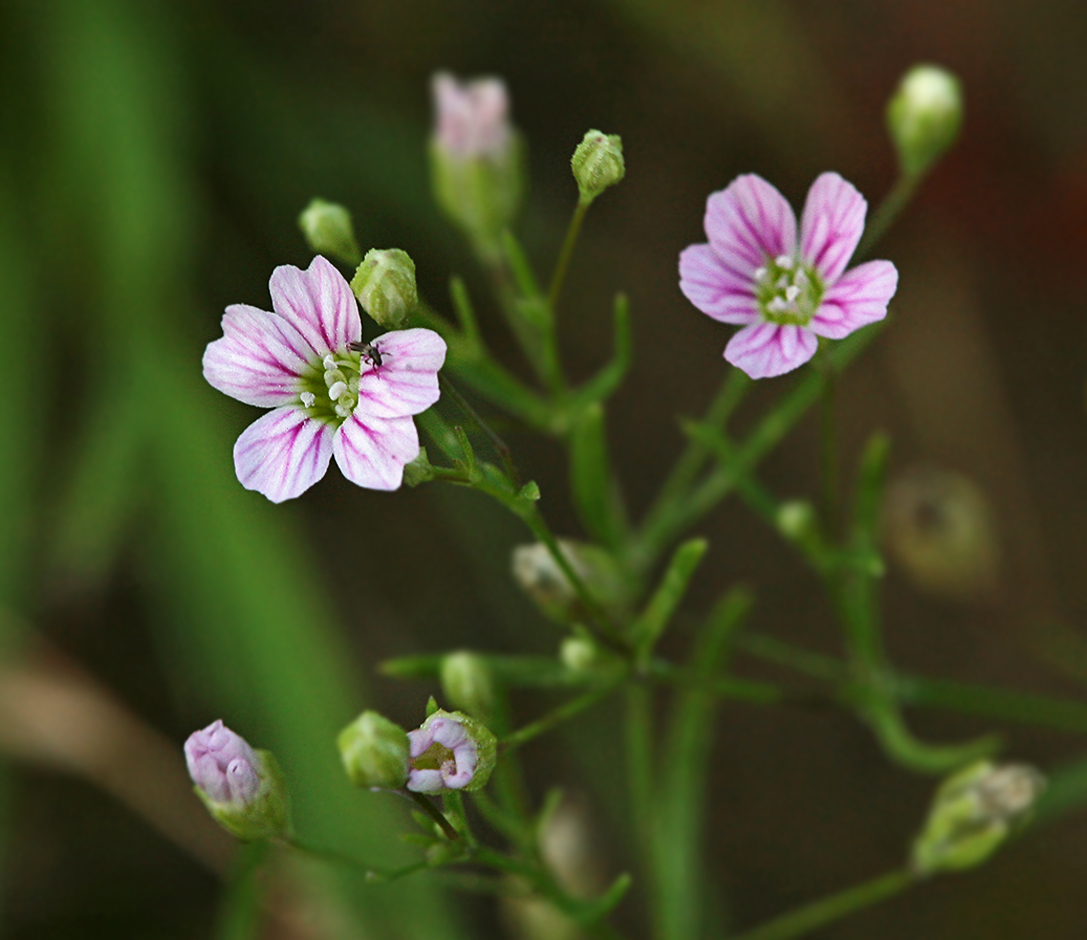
{"x": 539, "y": 574}
{"x": 242, "y": 788}
{"x": 327, "y": 229}
{"x": 450, "y": 751}
{"x": 924, "y": 117}
{"x": 973, "y": 813}
{"x": 467, "y": 682}
{"x": 374, "y": 752}
{"x": 476, "y": 158}
{"x": 796, "y": 520}
{"x": 597, "y": 163}
{"x": 939, "y": 528}
{"x": 579, "y": 653}
{"x": 385, "y": 286}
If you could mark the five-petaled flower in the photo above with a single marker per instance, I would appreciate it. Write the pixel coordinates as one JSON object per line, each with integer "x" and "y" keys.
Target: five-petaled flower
{"x": 332, "y": 395}
{"x": 786, "y": 291}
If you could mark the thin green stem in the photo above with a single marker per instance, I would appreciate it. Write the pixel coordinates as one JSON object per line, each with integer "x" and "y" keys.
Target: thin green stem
{"x": 434, "y": 813}
{"x": 889, "y": 209}
{"x": 693, "y": 459}
{"x": 660, "y": 529}
{"x": 566, "y": 253}
{"x": 828, "y": 443}
{"x": 819, "y": 914}
{"x": 639, "y": 745}
{"x": 563, "y": 713}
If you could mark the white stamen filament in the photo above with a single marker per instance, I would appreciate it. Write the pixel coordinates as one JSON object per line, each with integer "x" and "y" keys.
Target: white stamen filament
{"x": 336, "y": 390}
{"x": 308, "y": 398}
{"x": 329, "y": 362}
{"x": 761, "y": 274}
{"x": 792, "y": 292}
{"x": 784, "y": 261}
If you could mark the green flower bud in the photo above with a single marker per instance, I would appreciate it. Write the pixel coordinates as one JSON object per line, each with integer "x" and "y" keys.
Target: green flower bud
{"x": 476, "y": 159}
{"x": 374, "y": 752}
{"x": 579, "y": 653}
{"x": 796, "y": 520}
{"x": 328, "y": 231}
{"x": 924, "y": 117}
{"x": 385, "y": 286}
{"x": 541, "y": 578}
{"x": 974, "y": 811}
{"x": 468, "y": 683}
{"x": 597, "y": 164}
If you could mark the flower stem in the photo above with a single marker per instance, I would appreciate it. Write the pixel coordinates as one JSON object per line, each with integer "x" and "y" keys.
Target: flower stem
{"x": 828, "y": 443}
{"x": 883, "y": 218}
{"x": 563, "y": 713}
{"x": 804, "y": 920}
{"x": 567, "y": 251}
{"x": 434, "y": 813}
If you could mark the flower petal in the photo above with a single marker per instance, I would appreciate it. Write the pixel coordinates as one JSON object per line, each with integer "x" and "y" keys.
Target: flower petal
{"x": 764, "y": 350}
{"x": 831, "y": 226}
{"x": 318, "y": 302}
{"x": 425, "y": 781}
{"x": 465, "y": 758}
{"x": 714, "y": 289}
{"x": 406, "y": 382}
{"x": 858, "y": 298}
{"x": 259, "y": 358}
{"x": 372, "y": 451}
{"x": 749, "y": 223}
{"x": 283, "y": 454}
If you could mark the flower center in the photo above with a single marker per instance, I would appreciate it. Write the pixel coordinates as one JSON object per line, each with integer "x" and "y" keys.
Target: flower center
{"x": 436, "y": 757}
{"x": 788, "y": 291}
{"x": 330, "y": 391}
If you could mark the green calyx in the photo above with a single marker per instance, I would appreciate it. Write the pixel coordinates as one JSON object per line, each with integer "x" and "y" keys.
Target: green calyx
{"x": 788, "y": 291}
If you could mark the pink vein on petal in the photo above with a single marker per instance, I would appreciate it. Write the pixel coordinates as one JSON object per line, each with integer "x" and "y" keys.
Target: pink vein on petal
{"x": 283, "y": 453}
{"x": 713, "y": 288}
{"x": 764, "y": 350}
{"x": 831, "y": 225}
{"x": 858, "y": 298}
{"x": 406, "y": 382}
{"x": 748, "y": 223}
{"x": 371, "y": 451}
{"x": 259, "y": 358}
{"x": 319, "y": 303}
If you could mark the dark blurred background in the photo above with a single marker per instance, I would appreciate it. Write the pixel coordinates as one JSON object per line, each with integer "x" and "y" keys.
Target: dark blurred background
{"x": 155, "y": 156}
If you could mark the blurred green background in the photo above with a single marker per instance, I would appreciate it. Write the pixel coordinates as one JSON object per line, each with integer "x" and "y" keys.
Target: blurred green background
{"x": 154, "y": 158}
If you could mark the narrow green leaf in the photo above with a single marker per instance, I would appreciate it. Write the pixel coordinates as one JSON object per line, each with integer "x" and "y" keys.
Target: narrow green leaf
{"x": 678, "y": 842}
{"x": 520, "y": 266}
{"x": 649, "y": 627}
{"x": 595, "y": 491}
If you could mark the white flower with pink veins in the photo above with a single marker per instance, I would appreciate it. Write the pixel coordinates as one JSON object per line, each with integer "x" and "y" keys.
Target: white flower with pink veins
{"x": 332, "y": 395}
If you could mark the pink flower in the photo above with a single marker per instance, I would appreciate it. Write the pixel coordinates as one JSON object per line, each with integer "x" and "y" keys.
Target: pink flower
{"x": 443, "y": 755}
{"x": 785, "y": 292}
{"x": 472, "y": 117}
{"x": 329, "y": 399}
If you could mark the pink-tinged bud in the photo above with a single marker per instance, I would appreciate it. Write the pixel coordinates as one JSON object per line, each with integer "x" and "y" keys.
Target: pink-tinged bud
{"x": 242, "y": 788}
{"x": 222, "y": 764}
{"x": 450, "y": 752}
{"x": 472, "y": 117}
{"x": 476, "y": 159}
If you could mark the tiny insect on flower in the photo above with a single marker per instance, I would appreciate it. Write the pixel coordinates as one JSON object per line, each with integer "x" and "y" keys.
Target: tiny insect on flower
{"x": 332, "y": 395}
